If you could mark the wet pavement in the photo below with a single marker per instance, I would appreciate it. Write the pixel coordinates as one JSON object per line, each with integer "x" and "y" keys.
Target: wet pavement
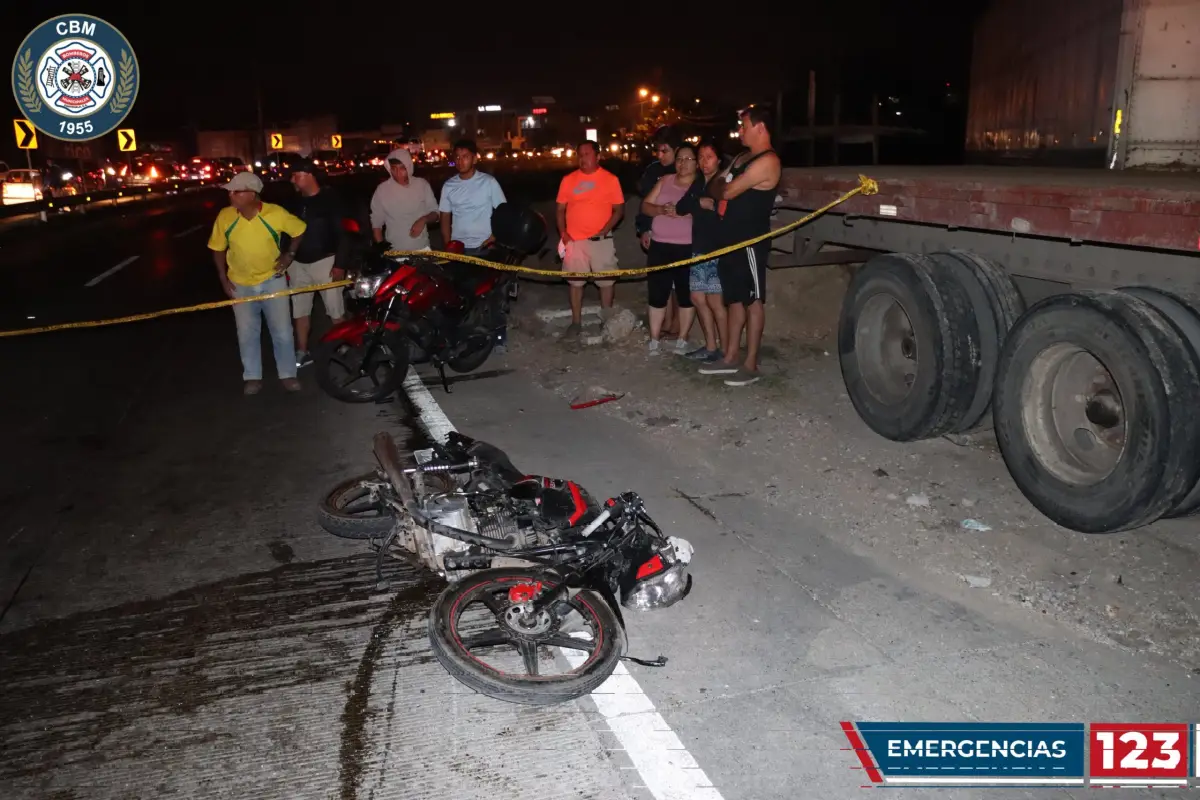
{"x": 175, "y": 623}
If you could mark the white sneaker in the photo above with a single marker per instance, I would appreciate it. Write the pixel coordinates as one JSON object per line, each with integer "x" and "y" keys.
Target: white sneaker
{"x": 654, "y": 347}
{"x": 681, "y": 346}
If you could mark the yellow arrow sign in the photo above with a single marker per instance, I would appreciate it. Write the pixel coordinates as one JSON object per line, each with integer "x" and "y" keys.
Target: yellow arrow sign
{"x": 26, "y": 134}
{"x": 276, "y": 141}
{"x": 335, "y": 141}
{"x": 126, "y": 140}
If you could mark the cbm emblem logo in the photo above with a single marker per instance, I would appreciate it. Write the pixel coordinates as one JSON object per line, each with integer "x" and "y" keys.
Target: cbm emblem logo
{"x": 75, "y": 77}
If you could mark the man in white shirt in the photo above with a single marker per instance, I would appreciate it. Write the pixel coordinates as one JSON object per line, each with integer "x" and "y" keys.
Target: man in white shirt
{"x": 403, "y": 206}
{"x": 468, "y": 200}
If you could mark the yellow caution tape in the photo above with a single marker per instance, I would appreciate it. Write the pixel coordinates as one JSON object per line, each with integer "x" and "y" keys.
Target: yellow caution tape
{"x": 98, "y": 323}
{"x": 866, "y": 186}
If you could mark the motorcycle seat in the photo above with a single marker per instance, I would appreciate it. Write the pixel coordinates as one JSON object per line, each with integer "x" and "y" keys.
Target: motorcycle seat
{"x": 467, "y": 277}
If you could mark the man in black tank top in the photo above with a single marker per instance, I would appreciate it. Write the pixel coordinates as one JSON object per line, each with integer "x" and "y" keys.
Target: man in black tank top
{"x": 745, "y": 196}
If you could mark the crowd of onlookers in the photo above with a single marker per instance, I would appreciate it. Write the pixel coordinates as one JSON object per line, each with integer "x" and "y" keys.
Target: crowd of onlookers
{"x": 693, "y": 202}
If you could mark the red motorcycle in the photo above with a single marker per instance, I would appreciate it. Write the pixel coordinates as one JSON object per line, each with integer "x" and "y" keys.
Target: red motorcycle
{"x": 424, "y": 310}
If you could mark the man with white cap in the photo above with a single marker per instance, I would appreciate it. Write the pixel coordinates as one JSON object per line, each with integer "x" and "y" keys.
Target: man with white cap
{"x": 250, "y": 262}
{"x": 404, "y": 206}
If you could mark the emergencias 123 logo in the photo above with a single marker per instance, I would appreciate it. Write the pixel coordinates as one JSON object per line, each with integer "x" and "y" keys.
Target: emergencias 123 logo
{"x": 75, "y": 77}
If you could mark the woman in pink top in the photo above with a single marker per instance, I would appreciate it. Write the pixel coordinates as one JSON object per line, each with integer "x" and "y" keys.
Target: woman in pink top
{"x": 670, "y": 240}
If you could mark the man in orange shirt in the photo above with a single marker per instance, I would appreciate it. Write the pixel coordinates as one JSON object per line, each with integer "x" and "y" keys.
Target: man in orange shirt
{"x": 590, "y": 204}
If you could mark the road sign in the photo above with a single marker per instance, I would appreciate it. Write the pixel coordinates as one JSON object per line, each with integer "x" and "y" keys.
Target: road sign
{"x": 276, "y": 141}
{"x": 126, "y": 140}
{"x": 335, "y": 141}
{"x": 26, "y": 134}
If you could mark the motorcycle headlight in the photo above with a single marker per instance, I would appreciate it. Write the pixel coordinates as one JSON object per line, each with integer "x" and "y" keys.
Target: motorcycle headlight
{"x": 366, "y": 286}
{"x": 660, "y": 590}
{"x": 662, "y": 581}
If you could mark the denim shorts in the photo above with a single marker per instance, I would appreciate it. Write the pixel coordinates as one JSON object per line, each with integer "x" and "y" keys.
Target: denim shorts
{"x": 703, "y": 277}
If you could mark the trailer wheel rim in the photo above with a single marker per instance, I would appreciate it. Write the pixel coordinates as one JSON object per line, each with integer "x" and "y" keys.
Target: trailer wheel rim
{"x": 1074, "y": 415}
{"x": 886, "y": 349}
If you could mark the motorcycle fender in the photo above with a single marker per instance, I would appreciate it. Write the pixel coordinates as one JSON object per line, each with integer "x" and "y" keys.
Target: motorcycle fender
{"x": 353, "y": 331}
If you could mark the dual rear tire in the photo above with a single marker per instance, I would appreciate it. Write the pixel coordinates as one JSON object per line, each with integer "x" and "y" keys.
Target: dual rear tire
{"x": 1091, "y": 394}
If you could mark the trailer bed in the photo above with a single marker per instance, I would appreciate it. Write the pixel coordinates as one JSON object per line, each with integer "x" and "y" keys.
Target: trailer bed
{"x": 1136, "y": 208}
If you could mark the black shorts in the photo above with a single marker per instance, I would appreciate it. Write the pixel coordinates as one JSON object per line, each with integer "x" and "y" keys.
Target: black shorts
{"x": 743, "y": 274}
{"x": 660, "y": 284}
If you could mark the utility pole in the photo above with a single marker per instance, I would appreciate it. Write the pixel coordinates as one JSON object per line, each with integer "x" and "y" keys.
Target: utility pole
{"x": 262, "y": 132}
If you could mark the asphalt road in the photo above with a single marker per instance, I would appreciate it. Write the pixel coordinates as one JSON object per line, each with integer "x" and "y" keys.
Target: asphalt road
{"x": 175, "y": 624}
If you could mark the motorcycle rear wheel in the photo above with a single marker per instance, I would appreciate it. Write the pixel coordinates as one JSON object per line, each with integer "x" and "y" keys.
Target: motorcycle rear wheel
{"x": 341, "y": 512}
{"x": 387, "y": 369}
{"x": 453, "y": 648}
{"x": 473, "y": 360}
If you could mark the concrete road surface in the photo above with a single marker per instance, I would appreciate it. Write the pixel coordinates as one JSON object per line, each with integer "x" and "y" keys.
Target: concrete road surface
{"x": 175, "y": 624}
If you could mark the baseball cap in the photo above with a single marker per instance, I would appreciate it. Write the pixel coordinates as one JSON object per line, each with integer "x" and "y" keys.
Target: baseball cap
{"x": 244, "y": 182}
{"x": 304, "y": 165}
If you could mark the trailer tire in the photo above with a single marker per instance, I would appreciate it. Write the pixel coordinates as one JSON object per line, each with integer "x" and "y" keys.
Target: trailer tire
{"x": 997, "y": 304}
{"x": 1093, "y": 411}
{"x": 907, "y": 343}
{"x": 1185, "y": 316}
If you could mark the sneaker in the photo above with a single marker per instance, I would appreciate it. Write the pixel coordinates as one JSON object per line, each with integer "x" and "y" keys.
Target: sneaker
{"x": 291, "y": 384}
{"x": 252, "y": 387}
{"x": 718, "y": 368}
{"x": 500, "y": 349}
{"x": 573, "y": 331}
{"x": 703, "y": 354}
{"x": 681, "y": 346}
{"x": 742, "y": 377}
{"x": 655, "y": 347}
{"x": 303, "y": 359}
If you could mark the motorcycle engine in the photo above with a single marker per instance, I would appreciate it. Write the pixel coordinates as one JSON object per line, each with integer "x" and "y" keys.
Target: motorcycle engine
{"x": 459, "y": 512}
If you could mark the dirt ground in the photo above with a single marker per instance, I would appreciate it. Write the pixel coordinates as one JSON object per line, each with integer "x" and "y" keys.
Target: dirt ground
{"x": 943, "y": 508}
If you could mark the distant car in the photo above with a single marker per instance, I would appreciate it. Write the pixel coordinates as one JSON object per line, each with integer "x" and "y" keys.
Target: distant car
{"x": 21, "y": 186}
{"x": 144, "y": 172}
{"x": 198, "y": 169}
{"x": 3, "y": 170}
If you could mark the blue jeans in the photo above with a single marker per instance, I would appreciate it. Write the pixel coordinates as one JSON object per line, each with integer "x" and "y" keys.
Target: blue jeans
{"x": 248, "y": 316}
{"x": 480, "y": 252}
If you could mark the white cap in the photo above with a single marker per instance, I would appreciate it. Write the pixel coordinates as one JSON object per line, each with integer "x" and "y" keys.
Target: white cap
{"x": 244, "y": 182}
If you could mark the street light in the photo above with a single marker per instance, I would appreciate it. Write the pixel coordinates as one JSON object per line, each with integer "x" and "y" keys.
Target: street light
{"x": 654, "y": 99}
{"x": 643, "y": 92}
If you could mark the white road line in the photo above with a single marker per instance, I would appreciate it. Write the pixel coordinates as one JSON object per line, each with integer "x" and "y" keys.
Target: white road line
{"x": 189, "y": 231}
{"x": 666, "y": 767}
{"x": 112, "y": 271}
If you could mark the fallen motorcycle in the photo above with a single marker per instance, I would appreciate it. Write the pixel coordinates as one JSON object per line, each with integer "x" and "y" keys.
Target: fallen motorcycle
{"x": 424, "y": 309}
{"x": 533, "y": 564}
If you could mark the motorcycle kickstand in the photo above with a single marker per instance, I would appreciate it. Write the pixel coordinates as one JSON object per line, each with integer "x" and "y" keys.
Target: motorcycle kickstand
{"x": 380, "y": 584}
{"x": 442, "y": 372}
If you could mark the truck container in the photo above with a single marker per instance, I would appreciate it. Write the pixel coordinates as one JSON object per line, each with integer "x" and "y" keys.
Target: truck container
{"x": 1055, "y": 306}
{"x": 1092, "y": 82}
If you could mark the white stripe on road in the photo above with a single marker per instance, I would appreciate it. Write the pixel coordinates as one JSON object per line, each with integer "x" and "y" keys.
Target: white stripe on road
{"x": 112, "y": 271}
{"x": 666, "y": 767}
{"x": 189, "y": 231}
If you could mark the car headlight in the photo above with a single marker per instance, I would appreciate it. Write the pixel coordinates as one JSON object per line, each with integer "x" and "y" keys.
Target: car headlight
{"x": 366, "y": 286}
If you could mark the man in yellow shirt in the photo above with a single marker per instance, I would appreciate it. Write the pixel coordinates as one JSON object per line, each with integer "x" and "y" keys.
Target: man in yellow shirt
{"x": 246, "y": 248}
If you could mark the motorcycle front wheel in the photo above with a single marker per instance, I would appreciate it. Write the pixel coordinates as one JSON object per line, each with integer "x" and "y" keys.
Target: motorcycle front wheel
{"x": 342, "y": 375}
{"x": 480, "y": 636}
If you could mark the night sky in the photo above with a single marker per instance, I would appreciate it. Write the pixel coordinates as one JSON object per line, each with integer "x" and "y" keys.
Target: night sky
{"x": 373, "y": 63}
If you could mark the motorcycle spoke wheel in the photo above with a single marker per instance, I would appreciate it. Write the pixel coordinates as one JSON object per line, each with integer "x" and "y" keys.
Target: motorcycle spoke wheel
{"x": 494, "y": 645}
